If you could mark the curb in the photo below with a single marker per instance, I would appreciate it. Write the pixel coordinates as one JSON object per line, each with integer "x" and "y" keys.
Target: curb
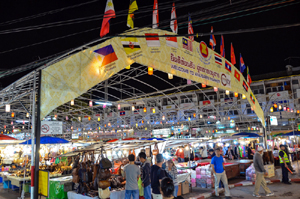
{"x": 207, "y": 195}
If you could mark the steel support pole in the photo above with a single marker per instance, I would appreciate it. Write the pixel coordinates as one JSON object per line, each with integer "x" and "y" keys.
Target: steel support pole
{"x": 38, "y": 136}
{"x": 32, "y": 135}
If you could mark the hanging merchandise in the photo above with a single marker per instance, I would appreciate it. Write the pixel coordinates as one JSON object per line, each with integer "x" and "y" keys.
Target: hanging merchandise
{"x": 155, "y": 151}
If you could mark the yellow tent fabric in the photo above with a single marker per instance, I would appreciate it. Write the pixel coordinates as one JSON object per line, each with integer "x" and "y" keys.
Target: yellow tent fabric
{"x": 73, "y": 76}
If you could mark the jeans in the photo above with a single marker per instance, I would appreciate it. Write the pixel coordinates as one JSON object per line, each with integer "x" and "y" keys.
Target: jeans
{"x": 147, "y": 192}
{"x": 260, "y": 181}
{"x": 223, "y": 178}
{"x": 285, "y": 173}
{"x": 175, "y": 191}
{"x": 180, "y": 160}
{"x": 133, "y": 193}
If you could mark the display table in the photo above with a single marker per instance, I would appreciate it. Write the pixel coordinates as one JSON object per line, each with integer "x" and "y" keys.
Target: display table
{"x": 58, "y": 187}
{"x": 182, "y": 177}
{"x": 113, "y": 195}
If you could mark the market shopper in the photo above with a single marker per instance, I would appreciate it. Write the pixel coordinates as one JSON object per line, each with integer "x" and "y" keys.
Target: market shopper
{"x": 229, "y": 153}
{"x": 172, "y": 171}
{"x": 180, "y": 154}
{"x": 167, "y": 188}
{"x": 145, "y": 175}
{"x": 284, "y": 163}
{"x": 260, "y": 173}
{"x": 250, "y": 153}
{"x": 131, "y": 174}
{"x": 211, "y": 153}
{"x": 204, "y": 153}
{"x": 218, "y": 168}
{"x": 157, "y": 174}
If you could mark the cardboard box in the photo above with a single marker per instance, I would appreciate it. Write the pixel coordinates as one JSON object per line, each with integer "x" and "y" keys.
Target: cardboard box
{"x": 179, "y": 190}
{"x": 185, "y": 187}
{"x": 270, "y": 169}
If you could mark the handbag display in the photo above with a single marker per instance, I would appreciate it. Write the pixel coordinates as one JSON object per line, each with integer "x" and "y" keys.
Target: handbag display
{"x": 105, "y": 163}
{"x": 148, "y": 152}
{"x": 155, "y": 151}
{"x": 103, "y": 194}
{"x": 104, "y": 174}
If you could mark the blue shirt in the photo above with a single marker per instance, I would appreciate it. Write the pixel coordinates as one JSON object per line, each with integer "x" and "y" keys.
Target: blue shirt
{"x": 218, "y": 164}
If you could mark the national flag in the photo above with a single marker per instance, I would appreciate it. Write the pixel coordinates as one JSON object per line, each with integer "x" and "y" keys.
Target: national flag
{"x": 227, "y": 66}
{"x": 222, "y": 47}
{"x": 173, "y": 23}
{"x": 155, "y": 18}
{"x": 171, "y": 41}
{"x": 130, "y": 45}
{"x": 228, "y": 100}
{"x": 249, "y": 80}
{"x": 152, "y": 41}
{"x": 206, "y": 102}
{"x": 252, "y": 98}
{"x": 107, "y": 55}
{"x": 218, "y": 59}
{"x": 242, "y": 64}
{"x": 237, "y": 75}
{"x": 108, "y": 14}
{"x": 190, "y": 28}
{"x": 136, "y": 111}
{"x": 187, "y": 44}
{"x": 132, "y": 7}
{"x": 212, "y": 40}
{"x": 232, "y": 55}
{"x": 122, "y": 113}
{"x": 245, "y": 86}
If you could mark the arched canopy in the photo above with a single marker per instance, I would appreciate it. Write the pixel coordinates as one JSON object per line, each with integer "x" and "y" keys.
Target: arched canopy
{"x": 71, "y": 77}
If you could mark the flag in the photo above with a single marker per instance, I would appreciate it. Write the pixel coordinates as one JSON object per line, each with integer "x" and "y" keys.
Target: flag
{"x": 155, "y": 18}
{"x": 152, "y": 41}
{"x": 171, "y": 41}
{"x": 227, "y": 66}
{"x": 190, "y": 28}
{"x": 252, "y": 98}
{"x": 237, "y": 75}
{"x": 249, "y": 80}
{"x": 242, "y": 64}
{"x": 222, "y": 47}
{"x": 107, "y": 55}
{"x": 232, "y": 55}
{"x": 206, "y": 102}
{"x": 218, "y": 59}
{"x": 108, "y": 14}
{"x": 130, "y": 45}
{"x": 245, "y": 86}
{"x": 132, "y": 7}
{"x": 187, "y": 44}
{"x": 122, "y": 113}
{"x": 173, "y": 23}
{"x": 212, "y": 40}
{"x": 136, "y": 111}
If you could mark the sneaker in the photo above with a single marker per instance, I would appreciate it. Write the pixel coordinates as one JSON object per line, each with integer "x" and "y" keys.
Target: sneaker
{"x": 258, "y": 196}
{"x": 270, "y": 194}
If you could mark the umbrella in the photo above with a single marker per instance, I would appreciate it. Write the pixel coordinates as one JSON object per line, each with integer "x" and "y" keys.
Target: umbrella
{"x": 48, "y": 140}
{"x": 246, "y": 135}
{"x": 6, "y": 137}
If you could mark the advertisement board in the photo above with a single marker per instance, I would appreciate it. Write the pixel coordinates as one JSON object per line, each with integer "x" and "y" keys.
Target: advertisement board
{"x": 51, "y": 127}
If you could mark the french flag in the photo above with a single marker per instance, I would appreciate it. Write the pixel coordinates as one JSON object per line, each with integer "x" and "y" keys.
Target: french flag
{"x": 107, "y": 55}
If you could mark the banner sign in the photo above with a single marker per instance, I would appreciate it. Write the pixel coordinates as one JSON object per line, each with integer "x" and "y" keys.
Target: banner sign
{"x": 71, "y": 77}
{"x": 51, "y": 127}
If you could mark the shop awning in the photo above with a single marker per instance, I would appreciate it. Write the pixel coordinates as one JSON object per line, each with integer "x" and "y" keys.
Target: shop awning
{"x": 246, "y": 135}
{"x": 290, "y": 133}
{"x": 6, "y": 137}
{"x": 49, "y": 140}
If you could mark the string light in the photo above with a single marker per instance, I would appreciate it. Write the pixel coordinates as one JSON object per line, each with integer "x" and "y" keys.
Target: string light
{"x": 280, "y": 107}
{"x": 119, "y": 106}
{"x": 72, "y": 102}
{"x": 150, "y": 71}
{"x": 127, "y": 67}
{"x": 275, "y": 105}
{"x": 153, "y": 110}
{"x": 236, "y": 94}
{"x": 27, "y": 114}
{"x": 215, "y": 89}
{"x": 91, "y": 103}
{"x": 227, "y": 92}
{"x": 243, "y": 96}
{"x": 145, "y": 109}
{"x": 7, "y": 108}
{"x": 271, "y": 109}
{"x": 132, "y": 108}
{"x": 12, "y": 114}
{"x": 170, "y": 76}
{"x": 203, "y": 85}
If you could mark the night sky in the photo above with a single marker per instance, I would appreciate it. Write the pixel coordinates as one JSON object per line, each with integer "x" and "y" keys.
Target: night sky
{"x": 263, "y": 51}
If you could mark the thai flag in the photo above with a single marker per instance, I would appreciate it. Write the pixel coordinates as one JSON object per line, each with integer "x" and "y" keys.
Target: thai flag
{"x": 122, "y": 113}
{"x": 245, "y": 86}
{"x": 212, "y": 40}
{"x": 227, "y": 66}
{"x": 136, "y": 111}
{"x": 107, "y": 55}
{"x": 218, "y": 59}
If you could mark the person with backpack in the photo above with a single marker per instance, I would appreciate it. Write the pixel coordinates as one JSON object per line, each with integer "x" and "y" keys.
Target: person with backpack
{"x": 172, "y": 172}
{"x": 157, "y": 174}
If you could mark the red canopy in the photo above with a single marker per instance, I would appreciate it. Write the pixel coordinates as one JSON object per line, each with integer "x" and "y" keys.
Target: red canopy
{"x": 6, "y": 137}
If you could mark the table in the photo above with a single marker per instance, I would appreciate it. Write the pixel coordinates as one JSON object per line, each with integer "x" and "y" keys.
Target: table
{"x": 59, "y": 187}
{"x": 113, "y": 195}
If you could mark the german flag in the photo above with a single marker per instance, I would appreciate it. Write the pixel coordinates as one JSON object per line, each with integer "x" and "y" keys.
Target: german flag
{"x": 132, "y": 7}
{"x": 245, "y": 86}
{"x": 130, "y": 45}
{"x": 237, "y": 75}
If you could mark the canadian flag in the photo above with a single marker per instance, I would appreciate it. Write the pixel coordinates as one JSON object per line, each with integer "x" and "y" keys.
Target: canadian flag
{"x": 155, "y": 20}
{"x": 173, "y": 23}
